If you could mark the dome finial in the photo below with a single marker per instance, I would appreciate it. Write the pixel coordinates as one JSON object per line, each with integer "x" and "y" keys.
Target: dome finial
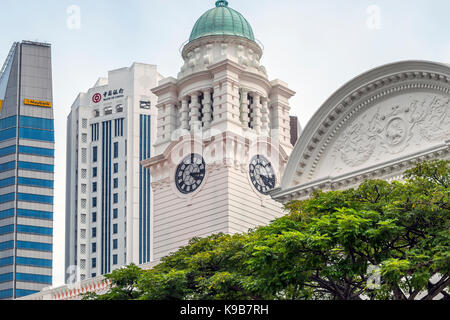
{"x": 222, "y": 3}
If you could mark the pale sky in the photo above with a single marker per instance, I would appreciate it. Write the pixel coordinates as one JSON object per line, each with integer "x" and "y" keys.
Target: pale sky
{"x": 316, "y": 46}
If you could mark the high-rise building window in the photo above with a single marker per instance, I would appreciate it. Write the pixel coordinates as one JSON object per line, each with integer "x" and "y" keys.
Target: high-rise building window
{"x": 116, "y": 183}
{"x": 115, "y": 213}
{"x": 116, "y": 167}
{"x": 94, "y": 232}
{"x": 95, "y": 132}
{"x": 94, "y": 154}
{"x": 94, "y": 217}
{"x": 115, "y": 244}
{"x": 94, "y": 172}
{"x": 83, "y": 155}
{"x": 115, "y": 228}
{"x": 94, "y": 202}
{"x": 94, "y": 262}
{"x": 115, "y": 259}
{"x": 116, "y": 197}
{"x": 94, "y": 247}
{"x": 116, "y": 150}
{"x": 94, "y": 187}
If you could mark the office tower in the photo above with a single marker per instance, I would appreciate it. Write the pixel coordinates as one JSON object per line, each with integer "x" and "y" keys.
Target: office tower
{"x": 26, "y": 170}
{"x": 110, "y": 129}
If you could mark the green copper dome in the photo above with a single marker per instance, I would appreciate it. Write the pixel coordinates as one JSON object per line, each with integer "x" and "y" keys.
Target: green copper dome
{"x": 222, "y": 20}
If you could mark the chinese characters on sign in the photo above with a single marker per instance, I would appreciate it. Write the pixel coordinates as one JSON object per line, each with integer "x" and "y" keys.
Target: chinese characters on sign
{"x": 108, "y": 95}
{"x": 113, "y": 94}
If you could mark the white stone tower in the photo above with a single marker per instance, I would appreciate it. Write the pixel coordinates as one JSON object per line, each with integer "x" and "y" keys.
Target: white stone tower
{"x": 223, "y": 136}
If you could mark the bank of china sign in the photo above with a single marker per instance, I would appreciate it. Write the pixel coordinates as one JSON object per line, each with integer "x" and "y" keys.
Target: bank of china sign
{"x": 31, "y": 102}
{"x": 108, "y": 95}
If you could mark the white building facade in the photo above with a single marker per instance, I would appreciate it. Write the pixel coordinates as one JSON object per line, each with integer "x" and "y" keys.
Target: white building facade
{"x": 224, "y": 136}
{"x": 375, "y": 127}
{"x": 110, "y": 129}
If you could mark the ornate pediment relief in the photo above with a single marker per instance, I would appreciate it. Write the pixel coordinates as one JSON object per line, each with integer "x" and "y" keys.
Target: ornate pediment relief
{"x": 398, "y": 126}
{"x": 375, "y": 126}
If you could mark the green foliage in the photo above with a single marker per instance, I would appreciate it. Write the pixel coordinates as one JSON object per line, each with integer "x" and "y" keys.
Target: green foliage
{"x": 322, "y": 249}
{"x": 123, "y": 285}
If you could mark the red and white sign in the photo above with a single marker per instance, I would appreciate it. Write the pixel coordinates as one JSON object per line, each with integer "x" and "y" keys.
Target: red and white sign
{"x": 97, "y": 98}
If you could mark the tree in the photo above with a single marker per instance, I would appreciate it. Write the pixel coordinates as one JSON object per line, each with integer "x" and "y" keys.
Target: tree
{"x": 322, "y": 249}
{"x": 123, "y": 285}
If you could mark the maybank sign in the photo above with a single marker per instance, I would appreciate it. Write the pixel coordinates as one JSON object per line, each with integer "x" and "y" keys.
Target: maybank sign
{"x": 37, "y": 103}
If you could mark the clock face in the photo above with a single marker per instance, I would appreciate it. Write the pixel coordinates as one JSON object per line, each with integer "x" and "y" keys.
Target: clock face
{"x": 262, "y": 174}
{"x": 190, "y": 173}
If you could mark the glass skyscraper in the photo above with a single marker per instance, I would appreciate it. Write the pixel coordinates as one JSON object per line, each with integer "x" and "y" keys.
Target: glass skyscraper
{"x": 26, "y": 170}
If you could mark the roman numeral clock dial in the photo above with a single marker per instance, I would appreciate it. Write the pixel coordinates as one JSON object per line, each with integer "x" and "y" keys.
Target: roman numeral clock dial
{"x": 262, "y": 174}
{"x": 190, "y": 174}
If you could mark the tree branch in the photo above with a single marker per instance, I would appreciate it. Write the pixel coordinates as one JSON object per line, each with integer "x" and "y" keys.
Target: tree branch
{"x": 437, "y": 288}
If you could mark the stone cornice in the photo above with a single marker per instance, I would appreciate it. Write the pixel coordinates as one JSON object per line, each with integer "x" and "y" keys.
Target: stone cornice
{"x": 170, "y": 84}
{"x": 163, "y": 160}
{"x": 227, "y": 64}
{"x": 280, "y": 88}
{"x": 195, "y": 77}
{"x": 388, "y": 169}
{"x": 220, "y": 39}
{"x": 256, "y": 78}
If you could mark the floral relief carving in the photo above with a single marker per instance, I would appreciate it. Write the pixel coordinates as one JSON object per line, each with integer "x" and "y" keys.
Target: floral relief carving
{"x": 391, "y": 129}
{"x": 356, "y": 145}
{"x": 431, "y": 117}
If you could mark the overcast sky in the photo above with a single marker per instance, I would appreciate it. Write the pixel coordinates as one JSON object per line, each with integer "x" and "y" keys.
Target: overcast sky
{"x": 315, "y": 46}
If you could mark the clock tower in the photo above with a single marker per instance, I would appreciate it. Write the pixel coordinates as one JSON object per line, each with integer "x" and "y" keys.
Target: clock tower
{"x": 223, "y": 137}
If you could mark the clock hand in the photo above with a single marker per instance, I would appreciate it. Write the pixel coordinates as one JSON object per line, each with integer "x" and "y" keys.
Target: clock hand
{"x": 266, "y": 180}
{"x": 196, "y": 175}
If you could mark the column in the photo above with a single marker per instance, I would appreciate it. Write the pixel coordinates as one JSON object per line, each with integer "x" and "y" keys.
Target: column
{"x": 280, "y": 122}
{"x": 207, "y": 108}
{"x": 244, "y": 109}
{"x": 185, "y": 114}
{"x": 194, "y": 113}
{"x": 161, "y": 124}
{"x": 171, "y": 121}
{"x": 264, "y": 117}
{"x": 256, "y": 113}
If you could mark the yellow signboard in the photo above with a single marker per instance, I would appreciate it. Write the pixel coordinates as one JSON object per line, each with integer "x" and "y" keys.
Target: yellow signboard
{"x": 1, "y": 103}
{"x": 38, "y": 103}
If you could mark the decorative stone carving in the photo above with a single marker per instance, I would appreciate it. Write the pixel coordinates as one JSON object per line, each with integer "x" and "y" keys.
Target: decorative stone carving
{"x": 390, "y": 130}
{"x": 356, "y": 145}
{"x": 431, "y": 117}
{"x": 375, "y": 127}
